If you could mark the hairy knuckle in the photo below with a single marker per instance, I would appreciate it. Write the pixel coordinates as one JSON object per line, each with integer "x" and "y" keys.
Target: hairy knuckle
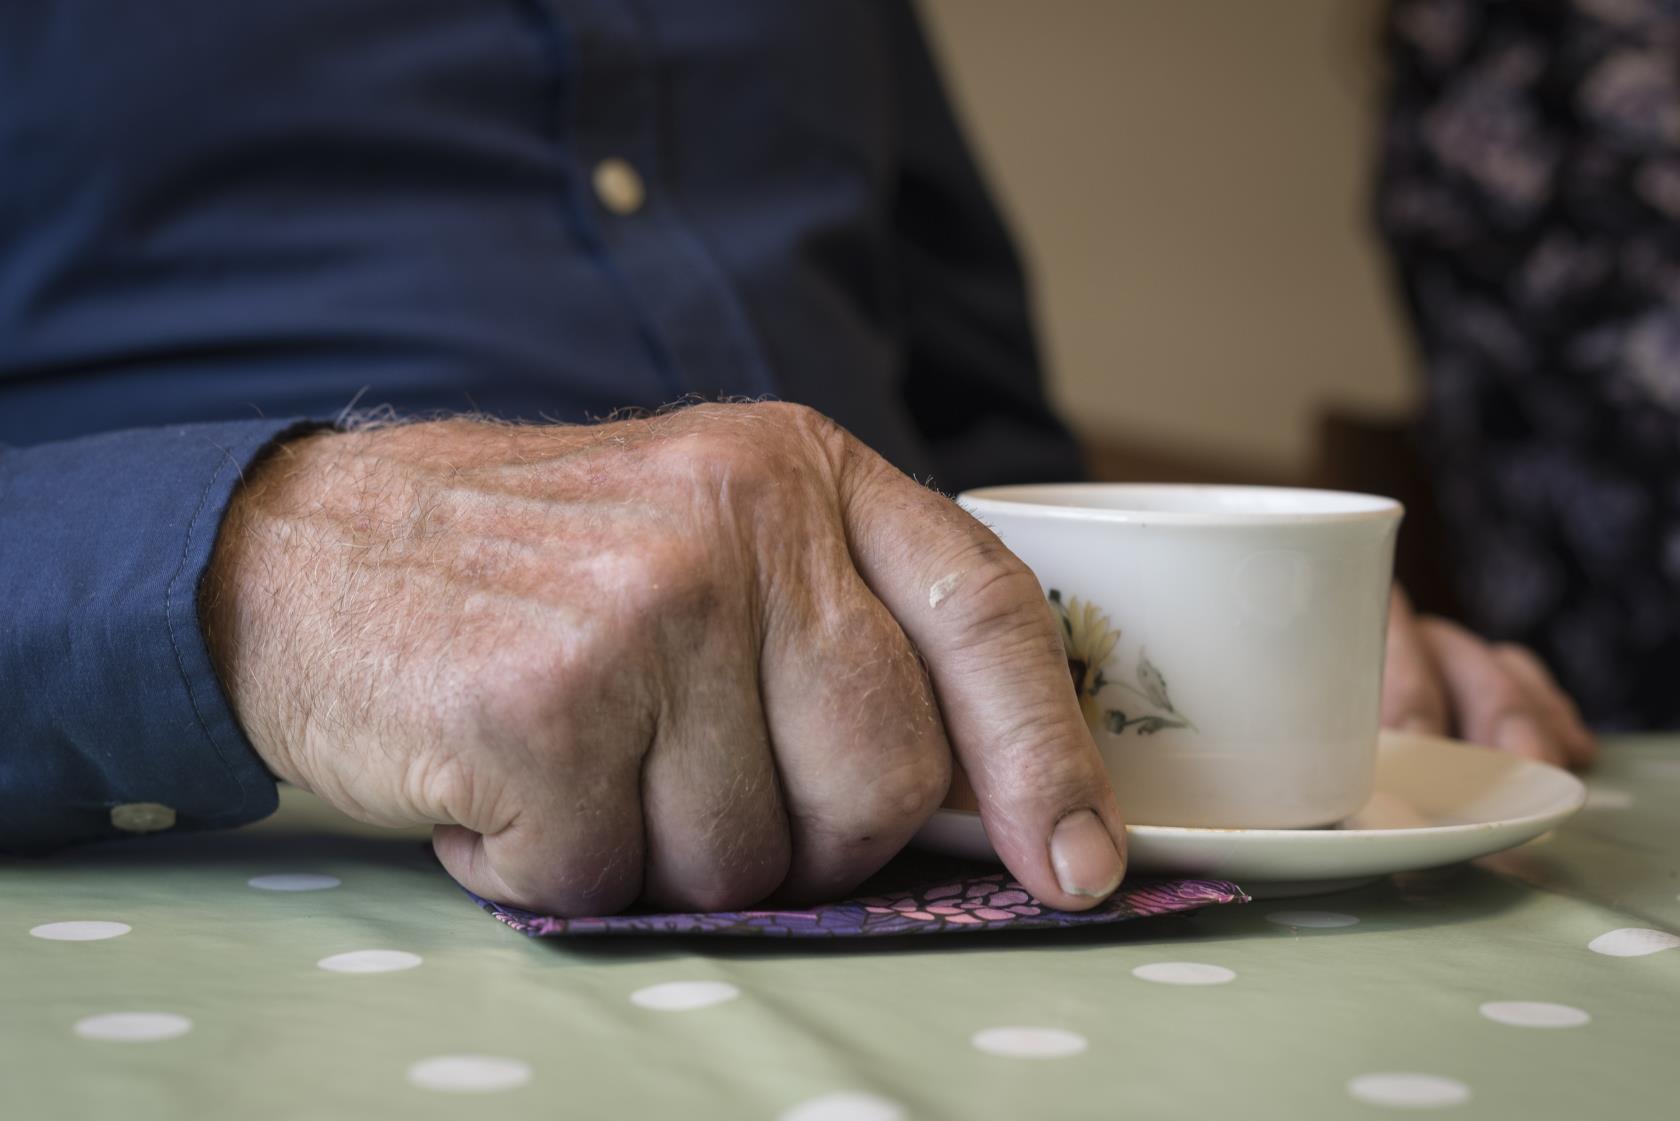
{"x": 747, "y": 477}
{"x": 529, "y": 695}
{"x": 799, "y": 418}
{"x": 890, "y": 800}
{"x": 519, "y": 698}
{"x": 658, "y": 584}
{"x": 815, "y": 439}
{"x": 911, "y": 791}
{"x": 721, "y": 458}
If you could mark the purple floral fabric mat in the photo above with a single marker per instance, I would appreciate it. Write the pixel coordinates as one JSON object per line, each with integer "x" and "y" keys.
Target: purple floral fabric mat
{"x": 913, "y": 895}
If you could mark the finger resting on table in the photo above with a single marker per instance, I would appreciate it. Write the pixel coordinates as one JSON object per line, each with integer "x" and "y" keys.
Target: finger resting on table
{"x": 1564, "y": 717}
{"x": 1491, "y": 704}
{"x": 1413, "y": 699}
{"x": 858, "y": 741}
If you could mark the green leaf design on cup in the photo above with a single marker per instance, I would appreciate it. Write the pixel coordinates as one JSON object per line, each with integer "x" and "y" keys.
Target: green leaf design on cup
{"x": 1152, "y": 682}
{"x": 1090, "y": 641}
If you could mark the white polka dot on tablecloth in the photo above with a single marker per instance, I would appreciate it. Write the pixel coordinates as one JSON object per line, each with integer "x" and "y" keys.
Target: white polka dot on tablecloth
{"x": 80, "y": 930}
{"x": 1029, "y": 1042}
{"x": 1312, "y": 920}
{"x": 294, "y": 881}
{"x": 133, "y": 1027}
{"x": 469, "y": 1074}
{"x": 1633, "y": 942}
{"x": 1183, "y": 973}
{"x": 369, "y": 961}
{"x": 1605, "y": 798}
{"x": 1409, "y": 1091}
{"x": 684, "y": 996}
{"x": 1534, "y": 1014}
{"x": 846, "y": 1106}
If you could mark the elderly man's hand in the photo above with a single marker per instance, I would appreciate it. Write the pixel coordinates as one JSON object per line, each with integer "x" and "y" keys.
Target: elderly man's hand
{"x": 677, "y": 659}
{"x": 1442, "y": 679}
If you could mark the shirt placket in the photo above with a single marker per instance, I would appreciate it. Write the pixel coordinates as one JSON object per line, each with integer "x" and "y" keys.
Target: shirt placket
{"x": 693, "y": 319}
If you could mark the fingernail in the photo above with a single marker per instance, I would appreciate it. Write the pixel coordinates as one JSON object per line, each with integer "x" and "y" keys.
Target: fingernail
{"x": 1084, "y": 856}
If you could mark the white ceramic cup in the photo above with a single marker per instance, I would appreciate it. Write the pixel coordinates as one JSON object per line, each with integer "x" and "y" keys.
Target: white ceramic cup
{"x": 1226, "y": 641}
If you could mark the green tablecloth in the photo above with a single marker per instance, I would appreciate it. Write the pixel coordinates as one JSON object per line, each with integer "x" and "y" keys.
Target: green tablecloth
{"x": 844, "y": 1032}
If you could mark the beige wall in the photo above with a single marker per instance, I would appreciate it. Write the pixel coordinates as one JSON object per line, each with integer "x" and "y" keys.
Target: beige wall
{"x": 1189, "y": 181}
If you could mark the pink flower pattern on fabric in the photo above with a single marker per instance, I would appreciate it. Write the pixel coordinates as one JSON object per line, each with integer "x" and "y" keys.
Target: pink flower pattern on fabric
{"x": 988, "y": 899}
{"x": 913, "y": 895}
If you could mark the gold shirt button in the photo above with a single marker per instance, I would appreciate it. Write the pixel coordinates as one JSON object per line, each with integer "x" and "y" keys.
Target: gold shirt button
{"x": 619, "y": 186}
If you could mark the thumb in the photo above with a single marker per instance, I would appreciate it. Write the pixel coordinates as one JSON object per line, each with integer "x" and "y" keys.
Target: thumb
{"x": 1000, "y": 674}
{"x": 1412, "y": 696}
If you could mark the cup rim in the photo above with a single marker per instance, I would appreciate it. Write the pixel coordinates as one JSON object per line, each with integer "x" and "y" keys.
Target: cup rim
{"x": 1029, "y": 499}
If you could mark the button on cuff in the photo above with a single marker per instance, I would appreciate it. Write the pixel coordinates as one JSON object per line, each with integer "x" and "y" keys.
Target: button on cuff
{"x": 142, "y": 817}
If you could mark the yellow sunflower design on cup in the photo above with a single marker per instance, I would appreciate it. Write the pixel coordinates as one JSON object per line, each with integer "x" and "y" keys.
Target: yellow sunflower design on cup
{"x": 1090, "y": 641}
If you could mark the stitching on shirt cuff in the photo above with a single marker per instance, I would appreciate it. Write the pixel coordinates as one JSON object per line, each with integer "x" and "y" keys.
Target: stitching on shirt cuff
{"x": 174, "y": 644}
{"x": 241, "y": 452}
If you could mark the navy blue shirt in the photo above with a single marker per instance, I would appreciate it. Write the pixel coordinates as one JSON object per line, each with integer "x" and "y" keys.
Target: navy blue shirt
{"x": 220, "y": 220}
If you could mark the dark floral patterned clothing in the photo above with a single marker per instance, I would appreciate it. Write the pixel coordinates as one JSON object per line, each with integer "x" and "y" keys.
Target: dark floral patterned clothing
{"x": 1530, "y": 191}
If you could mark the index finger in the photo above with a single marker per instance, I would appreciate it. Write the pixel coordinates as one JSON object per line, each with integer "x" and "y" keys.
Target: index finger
{"x": 1412, "y": 697}
{"x": 1000, "y": 674}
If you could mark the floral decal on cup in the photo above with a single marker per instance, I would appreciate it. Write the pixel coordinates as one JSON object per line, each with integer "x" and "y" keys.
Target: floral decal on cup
{"x": 1090, "y": 641}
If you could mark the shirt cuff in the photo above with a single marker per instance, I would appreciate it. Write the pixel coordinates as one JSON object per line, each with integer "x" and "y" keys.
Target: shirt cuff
{"x": 106, "y": 682}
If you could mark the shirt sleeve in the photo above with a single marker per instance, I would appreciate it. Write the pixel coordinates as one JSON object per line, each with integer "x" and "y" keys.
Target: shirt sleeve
{"x": 111, "y": 715}
{"x": 974, "y": 381}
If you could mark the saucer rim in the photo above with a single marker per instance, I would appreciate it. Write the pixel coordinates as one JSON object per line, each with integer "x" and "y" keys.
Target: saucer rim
{"x": 1320, "y": 835}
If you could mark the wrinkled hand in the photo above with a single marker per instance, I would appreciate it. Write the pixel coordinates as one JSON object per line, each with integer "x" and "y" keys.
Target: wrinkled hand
{"x": 1443, "y": 680}
{"x": 677, "y": 659}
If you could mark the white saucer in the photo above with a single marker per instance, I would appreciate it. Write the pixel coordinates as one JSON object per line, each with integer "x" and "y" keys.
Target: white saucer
{"x": 1437, "y": 801}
